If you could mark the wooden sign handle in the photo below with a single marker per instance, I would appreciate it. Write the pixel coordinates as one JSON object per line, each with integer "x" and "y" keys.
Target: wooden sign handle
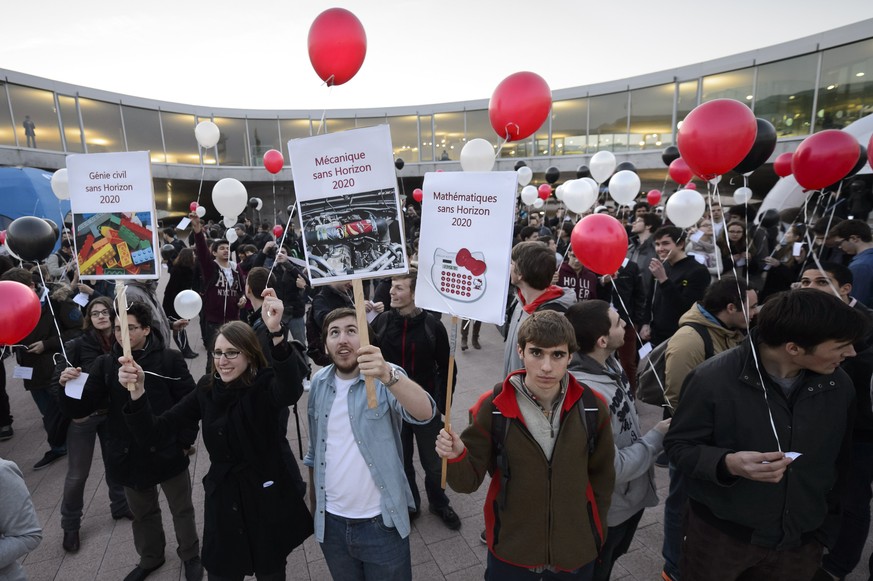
{"x": 364, "y": 335}
{"x": 447, "y": 424}
{"x": 121, "y": 321}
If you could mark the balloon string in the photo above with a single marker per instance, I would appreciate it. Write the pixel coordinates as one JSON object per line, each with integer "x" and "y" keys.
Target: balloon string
{"x": 324, "y": 111}
{"x": 202, "y": 173}
{"x": 54, "y": 317}
{"x": 282, "y": 242}
{"x": 501, "y": 141}
{"x": 275, "y": 217}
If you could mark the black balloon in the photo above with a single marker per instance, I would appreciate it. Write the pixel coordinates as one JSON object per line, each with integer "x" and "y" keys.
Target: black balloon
{"x": 583, "y": 172}
{"x": 626, "y": 166}
{"x": 168, "y": 252}
{"x": 290, "y": 209}
{"x": 762, "y": 149}
{"x": 770, "y": 218}
{"x": 670, "y": 154}
{"x": 31, "y": 238}
{"x": 553, "y": 174}
{"x": 55, "y": 231}
{"x": 399, "y": 163}
{"x": 253, "y": 202}
{"x": 519, "y": 164}
{"x": 862, "y": 160}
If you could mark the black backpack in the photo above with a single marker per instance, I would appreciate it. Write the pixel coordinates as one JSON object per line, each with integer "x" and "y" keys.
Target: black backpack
{"x": 652, "y": 370}
{"x": 588, "y": 412}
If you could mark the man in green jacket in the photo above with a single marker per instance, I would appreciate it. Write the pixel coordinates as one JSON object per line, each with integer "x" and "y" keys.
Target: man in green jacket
{"x": 551, "y": 481}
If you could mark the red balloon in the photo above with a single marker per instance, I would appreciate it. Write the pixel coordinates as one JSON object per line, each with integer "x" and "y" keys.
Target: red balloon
{"x": 19, "y": 312}
{"x": 519, "y": 105}
{"x": 782, "y": 164}
{"x": 824, "y": 158}
{"x": 278, "y": 231}
{"x": 653, "y": 197}
{"x": 544, "y": 191}
{"x": 599, "y": 241}
{"x": 691, "y": 186}
{"x": 870, "y": 151}
{"x": 716, "y": 136}
{"x": 679, "y": 171}
{"x": 193, "y": 206}
{"x": 417, "y": 195}
{"x": 2, "y": 237}
{"x": 273, "y": 161}
{"x": 337, "y": 45}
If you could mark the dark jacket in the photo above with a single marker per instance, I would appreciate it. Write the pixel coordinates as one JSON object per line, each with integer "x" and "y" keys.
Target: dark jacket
{"x": 69, "y": 320}
{"x": 82, "y": 352}
{"x": 724, "y": 410}
{"x": 254, "y": 514}
{"x": 328, "y": 299}
{"x": 631, "y": 299}
{"x": 642, "y": 254}
{"x": 219, "y": 298}
{"x": 860, "y": 369}
{"x": 555, "y": 511}
{"x": 128, "y": 462}
{"x": 405, "y": 341}
{"x": 686, "y": 284}
{"x": 181, "y": 278}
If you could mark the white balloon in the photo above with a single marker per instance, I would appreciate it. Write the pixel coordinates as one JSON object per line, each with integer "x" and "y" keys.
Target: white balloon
{"x": 742, "y": 195}
{"x": 624, "y": 187}
{"x": 229, "y": 221}
{"x": 595, "y": 187}
{"x": 260, "y": 204}
{"x": 200, "y": 211}
{"x": 579, "y": 195}
{"x": 524, "y": 175}
{"x": 207, "y": 134}
{"x": 529, "y": 194}
{"x": 602, "y": 165}
{"x": 230, "y": 197}
{"x": 477, "y": 155}
{"x": 61, "y": 184}
{"x": 187, "y": 304}
{"x": 231, "y": 235}
{"x": 538, "y": 203}
{"x": 685, "y": 208}
{"x": 559, "y": 192}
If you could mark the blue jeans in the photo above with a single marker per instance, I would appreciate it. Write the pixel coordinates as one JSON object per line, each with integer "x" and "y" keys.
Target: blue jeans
{"x": 425, "y": 436}
{"x": 674, "y": 509}
{"x": 846, "y": 552}
{"x": 498, "y": 570}
{"x": 359, "y": 549}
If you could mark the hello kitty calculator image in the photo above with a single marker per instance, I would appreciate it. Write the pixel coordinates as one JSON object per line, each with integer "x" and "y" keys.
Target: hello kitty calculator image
{"x": 459, "y": 275}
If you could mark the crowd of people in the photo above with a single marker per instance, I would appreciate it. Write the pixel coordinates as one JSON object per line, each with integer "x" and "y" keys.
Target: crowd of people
{"x": 767, "y": 428}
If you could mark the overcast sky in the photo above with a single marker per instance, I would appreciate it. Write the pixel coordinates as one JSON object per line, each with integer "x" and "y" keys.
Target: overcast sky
{"x": 253, "y": 55}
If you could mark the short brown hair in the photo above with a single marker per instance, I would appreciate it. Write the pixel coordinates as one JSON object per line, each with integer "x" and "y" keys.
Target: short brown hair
{"x": 257, "y": 280}
{"x": 535, "y": 263}
{"x": 547, "y": 329}
{"x": 335, "y": 315}
{"x": 411, "y": 276}
{"x": 241, "y": 336}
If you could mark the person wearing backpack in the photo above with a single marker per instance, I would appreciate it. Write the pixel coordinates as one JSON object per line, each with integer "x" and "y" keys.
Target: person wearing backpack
{"x": 599, "y": 334}
{"x": 551, "y": 464}
{"x": 418, "y": 342}
{"x": 720, "y": 316}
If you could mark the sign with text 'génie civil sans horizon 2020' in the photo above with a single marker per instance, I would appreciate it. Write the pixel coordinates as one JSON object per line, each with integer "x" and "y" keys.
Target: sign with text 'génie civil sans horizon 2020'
{"x": 465, "y": 243}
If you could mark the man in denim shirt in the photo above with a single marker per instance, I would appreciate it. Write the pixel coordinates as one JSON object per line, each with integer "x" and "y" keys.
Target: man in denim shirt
{"x": 358, "y": 490}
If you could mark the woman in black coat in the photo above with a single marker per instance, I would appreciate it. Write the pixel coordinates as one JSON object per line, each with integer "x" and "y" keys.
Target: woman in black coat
{"x": 181, "y": 278}
{"x": 254, "y": 513}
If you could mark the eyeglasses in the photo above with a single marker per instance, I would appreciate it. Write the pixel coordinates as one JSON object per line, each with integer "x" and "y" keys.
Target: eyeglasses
{"x": 98, "y": 314}
{"x": 129, "y": 328}
{"x": 229, "y": 355}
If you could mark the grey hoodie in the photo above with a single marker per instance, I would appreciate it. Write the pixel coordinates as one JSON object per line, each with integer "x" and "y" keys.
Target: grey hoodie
{"x": 20, "y": 532}
{"x": 634, "y": 452}
{"x": 563, "y": 299}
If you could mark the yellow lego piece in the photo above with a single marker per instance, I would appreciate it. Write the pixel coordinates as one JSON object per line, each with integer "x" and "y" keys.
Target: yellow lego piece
{"x": 98, "y": 257}
{"x": 124, "y": 254}
{"x": 111, "y": 263}
{"x": 100, "y": 244}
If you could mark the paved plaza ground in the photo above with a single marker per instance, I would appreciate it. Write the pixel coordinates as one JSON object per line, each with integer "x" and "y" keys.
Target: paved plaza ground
{"x": 107, "y": 551}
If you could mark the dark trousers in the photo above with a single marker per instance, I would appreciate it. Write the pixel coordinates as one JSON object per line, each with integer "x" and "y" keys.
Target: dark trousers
{"x": 80, "y": 452}
{"x": 425, "y": 436}
{"x": 498, "y": 570}
{"x": 51, "y": 418}
{"x": 277, "y": 576}
{"x": 846, "y": 553}
{"x": 711, "y": 555}
{"x": 5, "y": 411}
{"x": 618, "y": 540}
{"x": 627, "y": 356}
{"x": 675, "y": 508}
{"x": 148, "y": 531}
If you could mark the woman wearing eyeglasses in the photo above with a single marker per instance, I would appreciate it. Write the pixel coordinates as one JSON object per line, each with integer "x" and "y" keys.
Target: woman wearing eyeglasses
{"x": 82, "y": 351}
{"x": 254, "y": 514}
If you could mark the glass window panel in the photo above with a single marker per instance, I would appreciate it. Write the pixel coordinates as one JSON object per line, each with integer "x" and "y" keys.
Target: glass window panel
{"x": 143, "y": 129}
{"x": 70, "y": 121}
{"x": 731, "y": 85}
{"x": 426, "y": 130}
{"x": 292, "y": 129}
{"x": 686, "y": 101}
{"x": 333, "y": 126}
{"x": 652, "y": 117}
{"x": 608, "y": 122}
{"x": 479, "y": 126}
{"x": 231, "y": 145}
{"x": 179, "y": 138}
{"x": 39, "y": 106}
{"x": 404, "y": 137}
{"x": 845, "y": 93}
{"x": 570, "y": 126}
{"x": 369, "y": 121}
{"x": 7, "y": 129}
{"x": 263, "y": 136}
{"x": 448, "y": 135}
{"x": 784, "y": 93}
{"x": 102, "y": 123}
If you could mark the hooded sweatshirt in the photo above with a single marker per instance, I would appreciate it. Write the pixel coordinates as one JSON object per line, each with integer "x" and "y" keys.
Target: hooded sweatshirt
{"x": 554, "y": 298}
{"x": 583, "y": 283}
{"x": 634, "y": 452}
